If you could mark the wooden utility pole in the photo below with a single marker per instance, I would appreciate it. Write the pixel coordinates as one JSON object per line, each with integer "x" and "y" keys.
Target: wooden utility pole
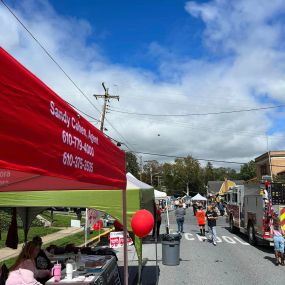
{"x": 107, "y": 97}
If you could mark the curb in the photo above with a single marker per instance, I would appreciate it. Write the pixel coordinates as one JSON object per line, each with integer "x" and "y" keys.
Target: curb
{"x": 97, "y": 237}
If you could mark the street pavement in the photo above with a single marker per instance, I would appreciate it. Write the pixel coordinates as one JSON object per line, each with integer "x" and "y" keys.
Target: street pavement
{"x": 232, "y": 261}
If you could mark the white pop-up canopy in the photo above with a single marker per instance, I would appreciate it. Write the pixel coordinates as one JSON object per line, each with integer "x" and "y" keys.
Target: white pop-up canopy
{"x": 199, "y": 197}
{"x": 159, "y": 195}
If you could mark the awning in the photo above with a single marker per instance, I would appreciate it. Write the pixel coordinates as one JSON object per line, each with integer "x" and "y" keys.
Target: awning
{"x": 199, "y": 197}
{"x": 45, "y": 144}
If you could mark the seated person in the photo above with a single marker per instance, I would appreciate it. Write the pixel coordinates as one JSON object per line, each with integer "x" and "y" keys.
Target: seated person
{"x": 24, "y": 271}
{"x": 42, "y": 261}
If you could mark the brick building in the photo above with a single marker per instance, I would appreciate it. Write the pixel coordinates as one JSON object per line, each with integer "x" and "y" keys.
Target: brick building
{"x": 272, "y": 159}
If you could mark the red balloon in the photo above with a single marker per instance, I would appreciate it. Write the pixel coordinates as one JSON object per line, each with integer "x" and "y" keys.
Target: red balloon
{"x": 142, "y": 223}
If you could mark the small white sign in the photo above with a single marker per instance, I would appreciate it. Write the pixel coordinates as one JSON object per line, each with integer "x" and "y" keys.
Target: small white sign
{"x": 75, "y": 223}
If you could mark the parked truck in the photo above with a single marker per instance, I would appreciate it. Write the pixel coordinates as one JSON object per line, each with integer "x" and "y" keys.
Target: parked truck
{"x": 253, "y": 209}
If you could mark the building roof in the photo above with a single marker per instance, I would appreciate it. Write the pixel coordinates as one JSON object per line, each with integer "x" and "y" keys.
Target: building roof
{"x": 215, "y": 186}
{"x": 275, "y": 153}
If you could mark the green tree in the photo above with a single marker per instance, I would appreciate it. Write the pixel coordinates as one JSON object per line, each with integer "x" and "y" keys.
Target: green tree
{"x": 208, "y": 172}
{"x": 152, "y": 172}
{"x": 221, "y": 173}
{"x": 168, "y": 178}
{"x": 248, "y": 170}
{"x": 132, "y": 164}
{"x": 187, "y": 175}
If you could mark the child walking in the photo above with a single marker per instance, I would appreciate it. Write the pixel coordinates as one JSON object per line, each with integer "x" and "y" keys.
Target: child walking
{"x": 200, "y": 215}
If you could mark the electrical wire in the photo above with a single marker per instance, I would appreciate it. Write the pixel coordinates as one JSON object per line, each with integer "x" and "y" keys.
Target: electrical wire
{"x": 199, "y": 114}
{"x": 49, "y": 55}
{"x": 91, "y": 117}
{"x": 199, "y": 159}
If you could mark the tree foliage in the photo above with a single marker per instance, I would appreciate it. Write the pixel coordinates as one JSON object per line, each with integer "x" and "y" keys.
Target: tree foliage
{"x": 132, "y": 165}
{"x": 176, "y": 176}
{"x": 248, "y": 170}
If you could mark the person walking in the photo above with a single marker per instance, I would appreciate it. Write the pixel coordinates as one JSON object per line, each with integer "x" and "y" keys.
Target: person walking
{"x": 180, "y": 213}
{"x": 221, "y": 208}
{"x": 195, "y": 206}
{"x": 278, "y": 239}
{"x": 212, "y": 217}
{"x": 200, "y": 215}
{"x": 157, "y": 223}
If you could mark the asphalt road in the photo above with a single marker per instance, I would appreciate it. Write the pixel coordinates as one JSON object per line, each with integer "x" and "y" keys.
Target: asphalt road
{"x": 232, "y": 261}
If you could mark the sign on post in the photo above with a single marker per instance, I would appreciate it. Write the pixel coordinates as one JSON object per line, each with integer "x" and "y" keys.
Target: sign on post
{"x": 117, "y": 239}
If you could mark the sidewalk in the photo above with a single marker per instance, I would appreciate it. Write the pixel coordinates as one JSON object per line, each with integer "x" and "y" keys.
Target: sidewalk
{"x": 7, "y": 253}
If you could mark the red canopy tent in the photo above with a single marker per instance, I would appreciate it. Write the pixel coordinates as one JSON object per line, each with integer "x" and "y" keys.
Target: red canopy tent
{"x": 46, "y": 146}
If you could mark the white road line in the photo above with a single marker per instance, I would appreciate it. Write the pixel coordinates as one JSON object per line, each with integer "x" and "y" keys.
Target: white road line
{"x": 219, "y": 239}
{"x": 200, "y": 238}
{"x": 189, "y": 236}
{"x": 240, "y": 241}
{"x": 228, "y": 239}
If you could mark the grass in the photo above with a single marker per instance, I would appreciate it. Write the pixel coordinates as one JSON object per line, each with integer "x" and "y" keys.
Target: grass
{"x": 60, "y": 220}
{"x": 76, "y": 239}
{"x": 34, "y": 231}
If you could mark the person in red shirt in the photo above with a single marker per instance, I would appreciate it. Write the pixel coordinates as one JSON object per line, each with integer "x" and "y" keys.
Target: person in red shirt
{"x": 200, "y": 215}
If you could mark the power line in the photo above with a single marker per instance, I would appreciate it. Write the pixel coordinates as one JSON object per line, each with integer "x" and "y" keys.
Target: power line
{"x": 199, "y": 159}
{"x": 59, "y": 66}
{"x": 91, "y": 117}
{"x": 49, "y": 55}
{"x": 198, "y": 114}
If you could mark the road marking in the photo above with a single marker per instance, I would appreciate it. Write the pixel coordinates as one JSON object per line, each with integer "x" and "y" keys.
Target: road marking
{"x": 189, "y": 236}
{"x": 228, "y": 240}
{"x": 240, "y": 241}
{"x": 200, "y": 238}
{"x": 219, "y": 239}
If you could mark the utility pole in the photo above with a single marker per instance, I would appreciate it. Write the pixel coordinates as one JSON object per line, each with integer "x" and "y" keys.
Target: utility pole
{"x": 107, "y": 97}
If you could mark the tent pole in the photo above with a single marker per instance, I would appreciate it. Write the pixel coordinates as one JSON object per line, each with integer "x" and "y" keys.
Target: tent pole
{"x": 126, "y": 274}
{"x": 156, "y": 262}
{"x": 167, "y": 216}
{"x": 86, "y": 223}
{"x": 26, "y": 228}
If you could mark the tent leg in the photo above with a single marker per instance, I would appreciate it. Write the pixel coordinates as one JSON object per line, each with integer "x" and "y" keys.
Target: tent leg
{"x": 26, "y": 225}
{"x": 156, "y": 262}
{"x": 167, "y": 216}
{"x": 140, "y": 271}
{"x": 126, "y": 274}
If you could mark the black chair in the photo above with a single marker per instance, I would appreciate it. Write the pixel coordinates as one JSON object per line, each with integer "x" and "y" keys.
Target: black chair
{"x": 4, "y": 272}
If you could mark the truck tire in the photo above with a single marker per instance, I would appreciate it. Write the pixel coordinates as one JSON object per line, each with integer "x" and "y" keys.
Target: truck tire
{"x": 251, "y": 234}
{"x": 233, "y": 229}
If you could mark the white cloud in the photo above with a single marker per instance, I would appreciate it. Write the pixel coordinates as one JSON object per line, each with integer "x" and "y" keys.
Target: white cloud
{"x": 245, "y": 35}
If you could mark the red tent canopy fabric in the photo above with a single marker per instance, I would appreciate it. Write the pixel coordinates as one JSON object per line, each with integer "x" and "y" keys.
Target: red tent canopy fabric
{"x": 45, "y": 144}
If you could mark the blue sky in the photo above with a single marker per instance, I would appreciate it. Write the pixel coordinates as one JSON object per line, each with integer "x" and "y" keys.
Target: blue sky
{"x": 125, "y": 31}
{"x": 167, "y": 56}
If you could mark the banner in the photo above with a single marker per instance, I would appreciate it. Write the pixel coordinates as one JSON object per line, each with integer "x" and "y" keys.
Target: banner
{"x": 92, "y": 217}
{"x": 117, "y": 239}
{"x": 41, "y": 134}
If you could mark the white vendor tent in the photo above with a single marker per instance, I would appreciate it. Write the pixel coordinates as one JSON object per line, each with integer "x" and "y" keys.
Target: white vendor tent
{"x": 199, "y": 197}
{"x": 159, "y": 195}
